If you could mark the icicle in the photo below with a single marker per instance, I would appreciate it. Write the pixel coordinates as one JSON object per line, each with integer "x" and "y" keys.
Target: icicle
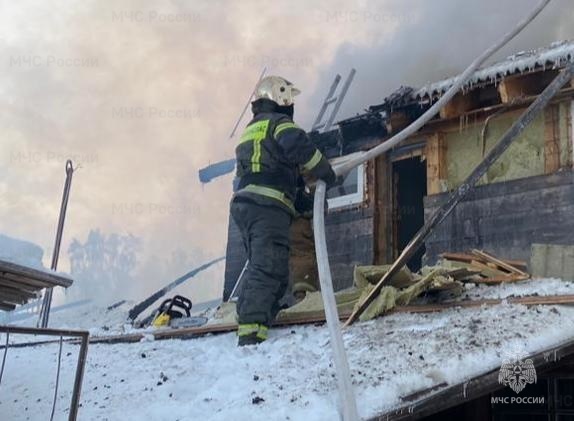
{"x": 464, "y": 389}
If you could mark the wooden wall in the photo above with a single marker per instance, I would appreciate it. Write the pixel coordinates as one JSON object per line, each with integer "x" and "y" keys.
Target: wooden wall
{"x": 349, "y": 242}
{"x": 506, "y": 218}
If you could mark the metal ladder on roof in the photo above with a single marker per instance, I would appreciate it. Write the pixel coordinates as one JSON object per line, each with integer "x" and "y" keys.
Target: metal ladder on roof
{"x": 332, "y": 99}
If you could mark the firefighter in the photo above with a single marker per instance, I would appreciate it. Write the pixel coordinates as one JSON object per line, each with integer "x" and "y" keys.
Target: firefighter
{"x": 271, "y": 155}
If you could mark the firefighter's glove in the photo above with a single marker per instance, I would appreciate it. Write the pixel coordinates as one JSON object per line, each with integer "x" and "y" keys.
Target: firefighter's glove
{"x": 304, "y": 201}
{"x": 325, "y": 172}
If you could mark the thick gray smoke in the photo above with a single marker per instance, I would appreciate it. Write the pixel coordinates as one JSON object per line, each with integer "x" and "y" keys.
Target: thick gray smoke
{"x": 433, "y": 40}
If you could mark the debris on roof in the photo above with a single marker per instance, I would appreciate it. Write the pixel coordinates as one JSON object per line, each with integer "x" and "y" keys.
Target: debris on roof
{"x": 400, "y": 97}
{"x": 395, "y": 357}
{"x": 215, "y": 170}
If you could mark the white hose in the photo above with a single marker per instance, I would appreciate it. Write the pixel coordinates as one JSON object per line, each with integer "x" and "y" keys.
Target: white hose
{"x": 348, "y": 404}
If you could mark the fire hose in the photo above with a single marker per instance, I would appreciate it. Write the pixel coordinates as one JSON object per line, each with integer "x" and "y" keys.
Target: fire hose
{"x": 347, "y": 400}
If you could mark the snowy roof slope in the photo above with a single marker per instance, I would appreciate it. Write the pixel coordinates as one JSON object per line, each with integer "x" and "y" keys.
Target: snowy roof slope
{"x": 20, "y": 252}
{"x": 553, "y": 57}
{"x": 290, "y": 377}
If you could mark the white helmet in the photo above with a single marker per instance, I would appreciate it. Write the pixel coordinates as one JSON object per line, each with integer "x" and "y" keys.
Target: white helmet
{"x": 276, "y": 89}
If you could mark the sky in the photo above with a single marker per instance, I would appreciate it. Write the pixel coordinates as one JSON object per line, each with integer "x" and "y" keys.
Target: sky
{"x": 141, "y": 94}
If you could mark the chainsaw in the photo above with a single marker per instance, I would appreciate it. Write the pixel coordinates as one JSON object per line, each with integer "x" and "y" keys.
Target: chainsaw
{"x": 176, "y": 312}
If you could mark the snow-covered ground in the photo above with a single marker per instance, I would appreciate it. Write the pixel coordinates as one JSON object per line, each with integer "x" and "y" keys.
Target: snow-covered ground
{"x": 290, "y": 377}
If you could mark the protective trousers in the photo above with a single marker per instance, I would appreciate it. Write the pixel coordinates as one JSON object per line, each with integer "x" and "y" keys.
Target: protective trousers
{"x": 303, "y": 261}
{"x": 265, "y": 233}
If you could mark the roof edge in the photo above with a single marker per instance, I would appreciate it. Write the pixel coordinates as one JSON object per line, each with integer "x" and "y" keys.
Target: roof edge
{"x": 474, "y": 388}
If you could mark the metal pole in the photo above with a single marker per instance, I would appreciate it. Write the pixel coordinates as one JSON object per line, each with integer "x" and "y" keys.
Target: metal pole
{"x": 317, "y": 123}
{"x": 4, "y": 357}
{"x": 75, "y": 405}
{"x": 47, "y": 302}
{"x": 82, "y": 356}
{"x": 238, "y": 280}
{"x": 340, "y": 99}
{"x": 247, "y": 104}
{"x": 139, "y": 308}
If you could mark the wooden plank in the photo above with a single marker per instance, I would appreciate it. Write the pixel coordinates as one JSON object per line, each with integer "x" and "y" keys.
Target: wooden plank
{"x": 530, "y": 184}
{"x": 512, "y": 89}
{"x": 552, "y": 139}
{"x": 6, "y": 282}
{"x": 516, "y": 88}
{"x": 463, "y": 257}
{"x": 484, "y": 270}
{"x": 17, "y": 292}
{"x": 500, "y": 263}
{"x": 51, "y": 279}
{"x": 9, "y": 297}
{"x": 382, "y": 220}
{"x": 24, "y": 280}
{"x": 463, "y": 273}
{"x": 450, "y": 126}
{"x": 530, "y": 300}
{"x": 570, "y": 130}
{"x": 397, "y": 121}
{"x": 499, "y": 279}
{"x": 435, "y": 152}
{"x": 460, "y": 104}
{"x": 487, "y": 270}
{"x": 459, "y": 257}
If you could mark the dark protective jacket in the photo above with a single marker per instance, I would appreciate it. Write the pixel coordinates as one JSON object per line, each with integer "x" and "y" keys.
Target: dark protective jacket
{"x": 271, "y": 153}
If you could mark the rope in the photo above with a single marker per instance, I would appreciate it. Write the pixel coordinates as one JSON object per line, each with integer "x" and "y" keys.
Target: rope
{"x": 57, "y": 380}
{"x": 4, "y": 357}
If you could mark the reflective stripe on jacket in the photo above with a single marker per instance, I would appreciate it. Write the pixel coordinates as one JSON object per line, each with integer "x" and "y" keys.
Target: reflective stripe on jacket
{"x": 271, "y": 152}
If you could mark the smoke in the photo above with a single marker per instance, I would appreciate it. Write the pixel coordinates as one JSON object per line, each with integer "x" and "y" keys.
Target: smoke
{"x": 142, "y": 94}
{"x": 434, "y": 40}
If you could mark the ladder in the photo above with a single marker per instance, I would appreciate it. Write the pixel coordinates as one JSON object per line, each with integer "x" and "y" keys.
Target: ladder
{"x": 332, "y": 99}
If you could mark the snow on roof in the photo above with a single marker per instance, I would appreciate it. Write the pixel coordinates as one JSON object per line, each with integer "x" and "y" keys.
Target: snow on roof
{"x": 553, "y": 57}
{"x": 291, "y": 375}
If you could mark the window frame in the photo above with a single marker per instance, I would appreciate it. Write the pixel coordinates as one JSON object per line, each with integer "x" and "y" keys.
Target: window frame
{"x": 352, "y": 199}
